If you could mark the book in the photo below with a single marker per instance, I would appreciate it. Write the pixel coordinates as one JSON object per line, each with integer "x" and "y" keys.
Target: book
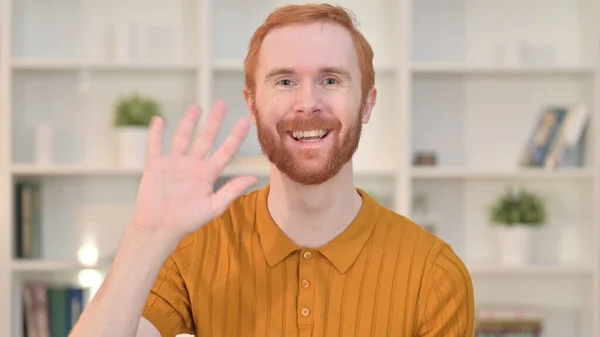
{"x": 28, "y": 220}
{"x": 545, "y": 135}
{"x": 508, "y": 323}
{"x": 569, "y": 148}
{"x": 50, "y": 310}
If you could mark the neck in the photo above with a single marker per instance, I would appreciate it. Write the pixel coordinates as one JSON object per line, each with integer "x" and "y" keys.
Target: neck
{"x": 313, "y": 215}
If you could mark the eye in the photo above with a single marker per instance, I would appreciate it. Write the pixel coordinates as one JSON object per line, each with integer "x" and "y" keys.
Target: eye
{"x": 284, "y": 82}
{"x": 330, "y": 81}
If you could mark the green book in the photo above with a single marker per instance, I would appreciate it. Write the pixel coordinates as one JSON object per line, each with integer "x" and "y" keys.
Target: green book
{"x": 58, "y": 302}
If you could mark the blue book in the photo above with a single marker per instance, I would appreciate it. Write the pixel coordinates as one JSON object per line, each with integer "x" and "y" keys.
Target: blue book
{"x": 546, "y": 133}
{"x": 74, "y": 306}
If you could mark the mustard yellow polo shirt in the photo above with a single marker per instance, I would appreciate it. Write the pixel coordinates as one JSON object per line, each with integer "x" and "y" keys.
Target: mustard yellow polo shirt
{"x": 240, "y": 275}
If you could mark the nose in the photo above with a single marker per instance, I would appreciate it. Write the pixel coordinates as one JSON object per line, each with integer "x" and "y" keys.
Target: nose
{"x": 307, "y": 99}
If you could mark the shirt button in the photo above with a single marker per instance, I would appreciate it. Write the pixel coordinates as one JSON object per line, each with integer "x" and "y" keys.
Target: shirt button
{"x": 305, "y": 283}
{"x": 307, "y": 255}
{"x": 305, "y": 312}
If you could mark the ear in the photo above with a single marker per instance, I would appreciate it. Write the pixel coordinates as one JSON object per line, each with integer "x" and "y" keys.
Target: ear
{"x": 249, "y": 98}
{"x": 369, "y": 104}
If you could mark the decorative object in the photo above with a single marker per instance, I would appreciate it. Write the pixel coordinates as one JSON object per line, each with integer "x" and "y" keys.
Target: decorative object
{"x": 524, "y": 54}
{"x": 507, "y": 321}
{"x": 124, "y": 42}
{"x": 160, "y": 43}
{"x": 516, "y": 215}
{"x": 424, "y": 158}
{"x": 538, "y": 54}
{"x": 148, "y": 42}
{"x": 132, "y": 118}
{"x": 506, "y": 55}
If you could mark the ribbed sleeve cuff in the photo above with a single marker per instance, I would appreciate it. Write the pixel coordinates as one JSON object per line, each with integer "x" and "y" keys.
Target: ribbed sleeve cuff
{"x": 166, "y": 322}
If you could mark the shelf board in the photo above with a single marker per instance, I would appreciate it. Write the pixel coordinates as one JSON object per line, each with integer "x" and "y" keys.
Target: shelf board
{"x": 533, "y": 270}
{"x": 257, "y": 166}
{"x": 518, "y": 173}
{"x": 475, "y": 69}
{"x": 57, "y": 65}
{"x": 23, "y": 265}
{"x": 32, "y": 170}
{"x": 234, "y": 65}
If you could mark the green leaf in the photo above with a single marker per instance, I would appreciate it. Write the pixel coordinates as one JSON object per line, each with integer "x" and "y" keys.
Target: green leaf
{"x": 135, "y": 110}
{"x": 518, "y": 207}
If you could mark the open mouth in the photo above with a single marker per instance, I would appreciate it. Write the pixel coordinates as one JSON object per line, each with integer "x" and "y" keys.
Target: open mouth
{"x": 309, "y": 136}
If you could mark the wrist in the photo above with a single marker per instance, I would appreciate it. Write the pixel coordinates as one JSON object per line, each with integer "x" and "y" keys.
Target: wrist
{"x": 150, "y": 237}
{"x": 146, "y": 245}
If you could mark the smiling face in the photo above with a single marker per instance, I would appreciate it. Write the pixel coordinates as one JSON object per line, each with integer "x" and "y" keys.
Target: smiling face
{"x": 308, "y": 104}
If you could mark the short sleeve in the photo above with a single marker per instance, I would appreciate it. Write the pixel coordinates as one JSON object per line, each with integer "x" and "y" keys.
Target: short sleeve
{"x": 447, "y": 307}
{"x": 168, "y": 304}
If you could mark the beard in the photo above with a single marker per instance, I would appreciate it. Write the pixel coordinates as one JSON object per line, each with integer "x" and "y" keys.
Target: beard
{"x": 299, "y": 165}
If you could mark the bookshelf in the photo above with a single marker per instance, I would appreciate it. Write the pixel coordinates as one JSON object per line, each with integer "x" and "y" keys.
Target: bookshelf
{"x": 449, "y": 81}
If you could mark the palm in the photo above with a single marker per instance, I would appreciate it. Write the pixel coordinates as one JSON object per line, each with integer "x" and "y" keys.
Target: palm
{"x": 176, "y": 192}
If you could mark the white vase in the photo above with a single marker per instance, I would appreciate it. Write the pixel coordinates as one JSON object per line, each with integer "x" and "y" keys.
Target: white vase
{"x": 515, "y": 244}
{"x": 132, "y": 144}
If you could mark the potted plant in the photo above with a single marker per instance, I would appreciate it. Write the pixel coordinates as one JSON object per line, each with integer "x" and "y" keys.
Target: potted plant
{"x": 133, "y": 114}
{"x": 516, "y": 214}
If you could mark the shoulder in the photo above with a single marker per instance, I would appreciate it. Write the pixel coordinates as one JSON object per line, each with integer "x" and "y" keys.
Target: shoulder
{"x": 443, "y": 285}
{"x": 429, "y": 254}
{"x": 410, "y": 235}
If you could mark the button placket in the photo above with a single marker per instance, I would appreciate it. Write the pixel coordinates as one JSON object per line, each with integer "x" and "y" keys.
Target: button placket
{"x": 306, "y": 294}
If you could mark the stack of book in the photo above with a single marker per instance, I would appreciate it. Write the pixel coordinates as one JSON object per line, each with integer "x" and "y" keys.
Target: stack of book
{"x": 557, "y": 139}
{"x": 508, "y": 323}
{"x": 49, "y": 310}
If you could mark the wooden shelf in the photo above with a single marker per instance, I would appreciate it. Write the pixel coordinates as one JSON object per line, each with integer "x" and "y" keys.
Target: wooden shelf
{"x": 481, "y": 270}
{"x": 475, "y": 69}
{"x": 523, "y": 173}
{"x": 24, "y": 170}
{"x": 235, "y": 65}
{"x": 27, "y": 170}
{"x": 57, "y": 65}
{"x": 22, "y": 265}
{"x": 239, "y": 166}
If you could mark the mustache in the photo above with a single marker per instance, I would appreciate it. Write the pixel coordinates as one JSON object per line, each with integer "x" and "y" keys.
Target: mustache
{"x": 312, "y": 123}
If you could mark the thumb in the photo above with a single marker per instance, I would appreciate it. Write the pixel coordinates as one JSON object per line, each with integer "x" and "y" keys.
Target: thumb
{"x": 230, "y": 191}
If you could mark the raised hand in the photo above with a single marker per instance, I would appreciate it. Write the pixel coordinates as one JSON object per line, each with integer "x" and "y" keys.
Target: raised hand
{"x": 176, "y": 194}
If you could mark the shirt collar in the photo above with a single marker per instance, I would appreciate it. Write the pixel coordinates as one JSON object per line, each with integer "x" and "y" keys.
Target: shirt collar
{"x": 342, "y": 251}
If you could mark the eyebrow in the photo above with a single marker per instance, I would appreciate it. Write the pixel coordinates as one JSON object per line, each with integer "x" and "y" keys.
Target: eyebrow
{"x": 289, "y": 71}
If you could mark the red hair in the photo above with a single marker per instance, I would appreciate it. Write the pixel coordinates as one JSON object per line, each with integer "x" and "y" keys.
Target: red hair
{"x": 301, "y": 14}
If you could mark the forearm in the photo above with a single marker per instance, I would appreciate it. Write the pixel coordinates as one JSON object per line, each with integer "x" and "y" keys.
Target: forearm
{"x": 116, "y": 308}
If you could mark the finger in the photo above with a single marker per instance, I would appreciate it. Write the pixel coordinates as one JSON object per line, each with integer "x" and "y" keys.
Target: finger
{"x": 210, "y": 131}
{"x": 185, "y": 130}
{"x": 231, "y": 190}
{"x": 155, "y": 137}
{"x": 230, "y": 146}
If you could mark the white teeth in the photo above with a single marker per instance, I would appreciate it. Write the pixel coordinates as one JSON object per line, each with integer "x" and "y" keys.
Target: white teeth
{"x": 310, "y": 133}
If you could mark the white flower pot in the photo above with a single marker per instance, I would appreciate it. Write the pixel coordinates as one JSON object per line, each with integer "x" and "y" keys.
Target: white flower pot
{"x": 514, "y": 244}
{"x": 132, "y": 143}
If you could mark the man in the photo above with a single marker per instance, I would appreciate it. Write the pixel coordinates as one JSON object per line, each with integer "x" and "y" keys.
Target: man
{"x": 307, "y": 255}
